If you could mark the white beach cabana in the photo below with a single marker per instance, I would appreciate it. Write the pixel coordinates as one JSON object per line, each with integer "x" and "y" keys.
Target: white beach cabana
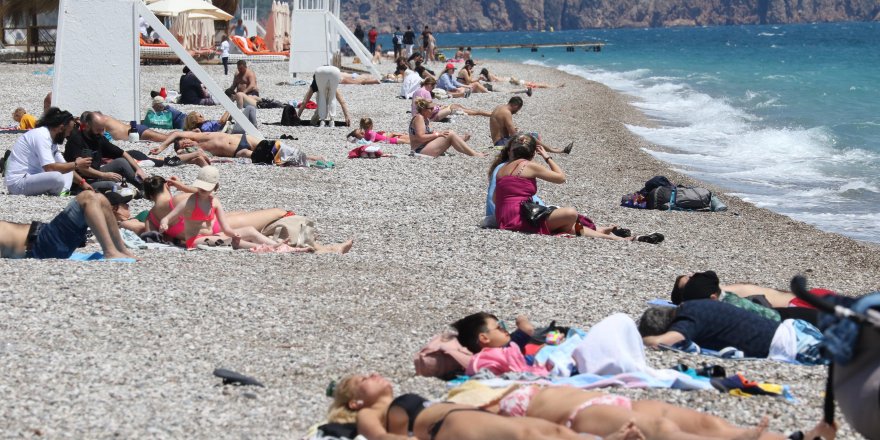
{"x": 316, "y": 29}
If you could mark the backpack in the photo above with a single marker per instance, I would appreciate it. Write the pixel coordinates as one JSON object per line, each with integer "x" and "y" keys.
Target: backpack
{"x": 680, "y": 198}
{"x": 443, "y": 357}
{"x": 299, "y": 230}
{"x": 289, "y": 116}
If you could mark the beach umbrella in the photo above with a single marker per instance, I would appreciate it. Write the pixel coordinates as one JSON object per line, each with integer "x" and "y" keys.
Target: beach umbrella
{"x": 230, "y": 6}
{"x": 20, "y": 11}
{"x": 174, "y": 8}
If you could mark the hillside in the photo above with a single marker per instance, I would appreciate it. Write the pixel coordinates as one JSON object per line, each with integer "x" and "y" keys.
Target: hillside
{"x": 482, "y": 15}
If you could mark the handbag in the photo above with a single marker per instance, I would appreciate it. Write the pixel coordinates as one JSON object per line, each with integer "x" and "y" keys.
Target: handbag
{"x": 534, "y": 213}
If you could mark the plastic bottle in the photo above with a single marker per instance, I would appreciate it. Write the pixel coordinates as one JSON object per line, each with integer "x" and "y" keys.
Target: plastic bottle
{"x": 133, "y": 135}
{"x": 163, "y": 93}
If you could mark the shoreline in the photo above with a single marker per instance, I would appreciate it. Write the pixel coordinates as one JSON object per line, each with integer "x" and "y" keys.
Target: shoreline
{"x": 137, "y": 343}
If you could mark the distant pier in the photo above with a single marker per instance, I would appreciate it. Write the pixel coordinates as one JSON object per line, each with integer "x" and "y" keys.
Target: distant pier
{"x": 589, "y": 46}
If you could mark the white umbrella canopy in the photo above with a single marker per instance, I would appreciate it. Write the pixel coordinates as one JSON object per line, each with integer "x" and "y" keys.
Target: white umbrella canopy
{"x": 176, "y": 7}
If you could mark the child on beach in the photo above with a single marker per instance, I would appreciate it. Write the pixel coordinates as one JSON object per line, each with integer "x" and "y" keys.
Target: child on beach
{"x": 25, "y": 121}
{"x": 366, "y": 132}
{"x": 205, "y": 221}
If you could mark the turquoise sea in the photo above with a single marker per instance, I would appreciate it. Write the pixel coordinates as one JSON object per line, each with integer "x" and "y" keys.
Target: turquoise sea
{"x": 785, "y": 116}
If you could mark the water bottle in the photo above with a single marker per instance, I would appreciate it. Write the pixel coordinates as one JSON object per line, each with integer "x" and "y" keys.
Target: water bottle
{"x": 133, "y": 135}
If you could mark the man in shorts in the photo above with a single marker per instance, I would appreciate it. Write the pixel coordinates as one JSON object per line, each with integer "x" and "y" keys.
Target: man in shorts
{"x": 67, "y": 231}
{"x": 501, "y": 126}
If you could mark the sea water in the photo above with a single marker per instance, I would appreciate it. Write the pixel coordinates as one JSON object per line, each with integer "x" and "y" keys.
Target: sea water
{"x": 786, "y": 117}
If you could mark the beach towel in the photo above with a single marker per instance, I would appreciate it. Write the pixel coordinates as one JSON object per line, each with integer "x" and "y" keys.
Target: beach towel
{"x": 97, "y": 256}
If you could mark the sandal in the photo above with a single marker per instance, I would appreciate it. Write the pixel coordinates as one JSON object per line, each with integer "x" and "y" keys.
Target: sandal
{"x": 655, "y": 238}
{"x": 621, "y": 232}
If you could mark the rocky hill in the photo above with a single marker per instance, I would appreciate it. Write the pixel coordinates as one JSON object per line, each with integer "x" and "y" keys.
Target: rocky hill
{"x": 483, "y": 15}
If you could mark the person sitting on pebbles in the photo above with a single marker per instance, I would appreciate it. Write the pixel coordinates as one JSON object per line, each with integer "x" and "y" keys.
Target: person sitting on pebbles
{"x": 515, "y": 176}
{"x": 205, "y": 221}
{"x": 67, "y": 231}
{"x": 432, "y": 143}
{"x": 501, "y": 126}
{"x": 441, "y": 112}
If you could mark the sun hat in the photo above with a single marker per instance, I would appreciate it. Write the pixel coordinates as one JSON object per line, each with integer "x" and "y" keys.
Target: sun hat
{"x": 450, "y": 66}
{"x": 208, "y": 179}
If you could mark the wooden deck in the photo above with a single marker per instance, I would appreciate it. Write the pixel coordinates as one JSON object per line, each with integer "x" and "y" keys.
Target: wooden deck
{"x": 589, "y": 46}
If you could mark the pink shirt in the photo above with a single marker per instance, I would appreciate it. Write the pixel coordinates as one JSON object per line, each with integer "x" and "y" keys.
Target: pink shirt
{"x": 420, "y": 93}
{"x": 502, "y": 360}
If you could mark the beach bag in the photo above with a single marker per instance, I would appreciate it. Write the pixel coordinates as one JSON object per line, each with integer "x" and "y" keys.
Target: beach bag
{"x": 655, "y": 182}
{"x": 535, "y": 213}
{"x": 680, "y": 198}
{"x": 658, "y": 198}
{"x": 163, "y": 120}
{"x": 689, "y": 198}
{"x": 299, "y": 230}
{"x": 289, "y": 116}
{"x": 443, "y": 357}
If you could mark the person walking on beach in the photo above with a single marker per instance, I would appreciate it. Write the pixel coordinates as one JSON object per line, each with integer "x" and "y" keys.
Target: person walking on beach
{"x": 409, "y": 38}
{"x": 359, "y": 33}
{"x": 372, "y": 36}
{"x": 397, "y": 41}
{"x": 501, "y": 126}
{"x": 224, "y": 54}
{"x": 425, "y": 39}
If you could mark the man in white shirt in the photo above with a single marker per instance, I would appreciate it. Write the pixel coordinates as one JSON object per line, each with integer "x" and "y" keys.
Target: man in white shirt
{"x": 224, "y": 54}
{"x": 411, "y": 81}
{"x": 36, "y": 167}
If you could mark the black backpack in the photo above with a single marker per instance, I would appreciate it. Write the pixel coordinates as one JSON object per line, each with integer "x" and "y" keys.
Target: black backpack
{"x": 289, "y": 116}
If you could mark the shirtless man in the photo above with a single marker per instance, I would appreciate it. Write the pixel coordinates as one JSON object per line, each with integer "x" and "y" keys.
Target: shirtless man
{"x": 217, "y": 143}
{"x": 502, "y": 129}
{"x": 245, "y": 80}
{"x": 118, "y": 129}
{"x": 67, "y": 231}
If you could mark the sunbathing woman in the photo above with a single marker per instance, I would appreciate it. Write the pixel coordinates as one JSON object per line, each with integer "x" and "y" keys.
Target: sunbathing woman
{"x": 195, "y": 121}
{"x": 158, "y": 190}
{"x": 369, "y": 401}
{"x": 516, "y": 182}
{"x": 426, "y": 141}
{"x": 441, "y": 112}
{"x": 204, "y": 221}
{"x": 489, "y": 77}
{"x": 366, "y": 132}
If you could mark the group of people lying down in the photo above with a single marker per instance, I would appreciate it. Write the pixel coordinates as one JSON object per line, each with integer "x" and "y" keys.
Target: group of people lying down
{"x": 526, "y": 411}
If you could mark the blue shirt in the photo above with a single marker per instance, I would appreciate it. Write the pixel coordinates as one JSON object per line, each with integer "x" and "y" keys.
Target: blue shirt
{"x": 448, "y": 82}
{"x": 717, "y": 325}
{"x": 209, "y": 126}
{"x": 177, "y": 117}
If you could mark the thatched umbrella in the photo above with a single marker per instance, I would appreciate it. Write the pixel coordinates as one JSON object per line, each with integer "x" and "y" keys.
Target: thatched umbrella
{"x": 22, "y": 11}
{"x": 230, "y": 6}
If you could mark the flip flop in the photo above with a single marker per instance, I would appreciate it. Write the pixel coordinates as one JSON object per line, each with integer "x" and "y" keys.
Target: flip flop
{"x": 655, "y": 238}
{"x": 233, "y": 378}
{"x": 621, "y": 232}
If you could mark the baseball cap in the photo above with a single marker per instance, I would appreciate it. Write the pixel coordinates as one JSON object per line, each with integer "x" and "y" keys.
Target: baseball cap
{"x": 120, "y": 195}
{"x": 208, "y": 178}
{"x": 158, "y": 100}
{"x": 450, "y": 66}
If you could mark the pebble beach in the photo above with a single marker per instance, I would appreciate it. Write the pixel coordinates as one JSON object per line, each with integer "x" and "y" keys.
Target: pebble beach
{"x": 98, "y": 349}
